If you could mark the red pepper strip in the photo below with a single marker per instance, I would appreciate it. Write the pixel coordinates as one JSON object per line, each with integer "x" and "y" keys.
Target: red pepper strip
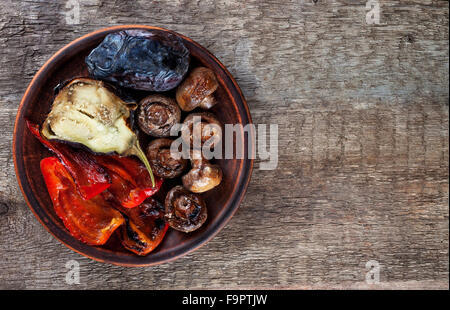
{"x": 130, "y": 182}
{"x": 144, "y": 227}
{"x": 90, "y": 221}
{"x": 136, "y": 240}
{"x": 91, "y": 178}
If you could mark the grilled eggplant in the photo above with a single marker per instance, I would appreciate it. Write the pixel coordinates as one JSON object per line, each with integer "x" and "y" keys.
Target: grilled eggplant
{"x": 87, "y": 112}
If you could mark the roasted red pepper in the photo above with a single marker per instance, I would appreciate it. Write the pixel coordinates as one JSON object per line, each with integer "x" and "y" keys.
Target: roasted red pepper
{"x": 90, "y": 177}
{"x": 90, "y": 221}
{"x": 145, "y": 227}
{"x": 130, "y": 181}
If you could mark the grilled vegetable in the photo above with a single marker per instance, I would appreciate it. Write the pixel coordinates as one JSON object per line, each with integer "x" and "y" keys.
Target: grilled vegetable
{"x": 90, "y": 178}
{"x": 201, "y": 130}
{"x": 157, "y": 115}
{"x": 185, "y": 211}
{"x": 130, "y": 182}
{"x": 144, "y": 227}
{"x": 90, "y": 221}
{"x": 197, "y": 90}
{"x": 86, "y": 112}
{"x": 161, "y": 161}
{"x": 140, "y": 59}
{"x": 203, "y": 176}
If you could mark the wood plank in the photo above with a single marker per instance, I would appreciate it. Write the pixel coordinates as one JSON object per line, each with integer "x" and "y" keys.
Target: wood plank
{"x": 363, "y": 145}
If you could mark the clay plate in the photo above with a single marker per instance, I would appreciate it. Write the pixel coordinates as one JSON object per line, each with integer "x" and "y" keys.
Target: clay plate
{"x": 222, "y": 201}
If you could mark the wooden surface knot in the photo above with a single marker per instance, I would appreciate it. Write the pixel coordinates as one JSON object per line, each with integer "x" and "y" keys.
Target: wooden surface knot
{"x": 4, "y": 208}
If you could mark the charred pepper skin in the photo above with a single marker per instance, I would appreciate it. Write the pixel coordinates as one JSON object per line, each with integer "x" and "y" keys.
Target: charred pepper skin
{"x": 145, "y": 227}
{"x": 91, "y": 221}
{"x": 130, "y": 182}
{"x": 140, "y": 59}
{"x": 91, "y": 179}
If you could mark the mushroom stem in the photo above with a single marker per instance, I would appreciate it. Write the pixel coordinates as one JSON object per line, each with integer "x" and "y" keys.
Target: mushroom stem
{"x": 203, "y": 176}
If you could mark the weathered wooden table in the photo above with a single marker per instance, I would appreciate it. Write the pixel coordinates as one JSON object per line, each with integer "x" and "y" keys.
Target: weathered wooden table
{"x": 362, "y": 110}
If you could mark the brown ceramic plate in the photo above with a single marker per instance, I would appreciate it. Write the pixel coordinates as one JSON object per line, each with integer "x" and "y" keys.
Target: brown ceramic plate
{"x": 222, "y": 201}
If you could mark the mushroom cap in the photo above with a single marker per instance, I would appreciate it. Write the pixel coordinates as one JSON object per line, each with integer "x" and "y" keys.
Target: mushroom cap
{"x": 203, "y": 124}
{"x": 200, "y": 83}
{"x": 185, "y": 211}
{"x": 157, "y": 114}
{"x": 202, "y": 177}
{"x": 162, "y": 163}
{"x": 208, "y": 102}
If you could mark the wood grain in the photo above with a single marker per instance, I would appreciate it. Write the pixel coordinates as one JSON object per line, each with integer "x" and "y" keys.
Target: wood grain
{"x": 363, "y": 143}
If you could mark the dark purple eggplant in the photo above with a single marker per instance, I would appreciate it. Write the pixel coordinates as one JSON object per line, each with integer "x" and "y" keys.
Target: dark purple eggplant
{"x": 140, "y": 59}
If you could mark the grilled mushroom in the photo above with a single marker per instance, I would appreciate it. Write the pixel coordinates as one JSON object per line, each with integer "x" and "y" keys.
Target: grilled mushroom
{"x": 201, "y": 128}
{"x": 162, "y": 163}
{"x": 197, "y": 90}
{"x": 185, "y": 211}
{"x": 157, "y": 114}
{"x": 203, "y": 175}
